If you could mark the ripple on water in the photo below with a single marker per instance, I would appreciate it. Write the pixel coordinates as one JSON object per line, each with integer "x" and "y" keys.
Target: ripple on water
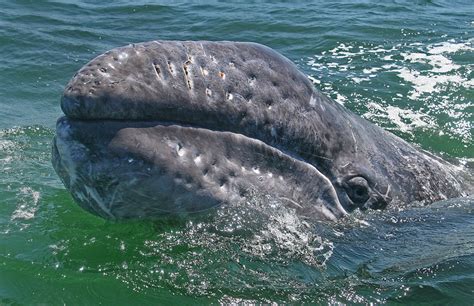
{"x": 239, "y": 249}
{"x": 25, "y": 165}
{"x": 255, "y": 250}
{"x": 412, "y": 81}
{"x": 410, "y": 88}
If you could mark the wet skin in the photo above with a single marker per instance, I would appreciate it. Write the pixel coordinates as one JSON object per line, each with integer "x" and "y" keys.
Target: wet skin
{"x": 165, "y": 127}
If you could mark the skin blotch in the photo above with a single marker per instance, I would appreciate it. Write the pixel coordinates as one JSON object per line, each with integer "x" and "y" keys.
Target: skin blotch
{"x": 170, "y": 67}
{"x": 157, "y": 70}
{"x": 186, "y": 73}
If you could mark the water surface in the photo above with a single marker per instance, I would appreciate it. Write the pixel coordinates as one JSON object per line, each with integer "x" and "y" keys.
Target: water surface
{"x": 405, "y": 65}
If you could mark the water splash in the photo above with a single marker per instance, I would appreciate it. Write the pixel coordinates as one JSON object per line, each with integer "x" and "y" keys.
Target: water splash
{"x": 241, "y": 247}
{"x": 27, "y": 204}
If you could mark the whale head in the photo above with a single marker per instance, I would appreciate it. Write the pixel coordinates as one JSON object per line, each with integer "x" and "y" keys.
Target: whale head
{"x": 163, "y": 128}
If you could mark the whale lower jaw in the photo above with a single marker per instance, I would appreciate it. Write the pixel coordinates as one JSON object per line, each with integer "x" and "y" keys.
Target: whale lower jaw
{"x": 150, "y": 169}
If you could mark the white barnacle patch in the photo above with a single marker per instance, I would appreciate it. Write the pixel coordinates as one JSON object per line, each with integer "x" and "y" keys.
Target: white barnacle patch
{"x": 269, "y": 174}
{"x": 229, "y": 96}
{"x": 180, "y": 150}
{"x": 187, "y": 73}
{"x": 204, "y": 71}
{"x": 111, "y": 66}
{"x": 157, "y": 70}
{"x": 208, "y": 92}
{"x": 123, "y": 55}
{"x": 256, "y": 170}
{"x": 171, "y": 67}
{"x": 197, "y": 160}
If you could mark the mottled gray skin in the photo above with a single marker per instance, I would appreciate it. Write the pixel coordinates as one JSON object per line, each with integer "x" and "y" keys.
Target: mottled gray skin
{"x": 169, "y": 127}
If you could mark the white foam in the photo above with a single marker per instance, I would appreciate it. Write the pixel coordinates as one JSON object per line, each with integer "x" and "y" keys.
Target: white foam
{"x": 401, "y": 116}
{"x": 406, "y": 120}
{"x": 429, "y": 73}
{"x": 450, "y": 47}
{"x": 340, "y": 99}
{"x": 358, "y": 80}
{"x": 440, "y": 63}
{"x": 423, "y": 84}
{"x": 28, "y": 205}
{"x": 314, "y": 80}
{"x": 6, "y": 144}
{"x": 371, "y": 70}
{"x": 463, "y": 129}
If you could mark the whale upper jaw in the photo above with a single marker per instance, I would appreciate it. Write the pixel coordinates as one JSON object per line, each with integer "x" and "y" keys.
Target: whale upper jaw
{"x": 147, "y": 170}
{"x": 228, "y": 95}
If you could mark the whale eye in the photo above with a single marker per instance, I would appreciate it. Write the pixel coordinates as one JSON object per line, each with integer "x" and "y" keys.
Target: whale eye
{"x": 357, "y": 189}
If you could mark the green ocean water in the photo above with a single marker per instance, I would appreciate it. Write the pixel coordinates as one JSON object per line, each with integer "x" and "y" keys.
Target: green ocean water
{"x": 407, "y": 66}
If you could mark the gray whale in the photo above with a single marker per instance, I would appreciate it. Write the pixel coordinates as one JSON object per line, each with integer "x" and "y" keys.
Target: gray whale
{"x": 168, "y": 127}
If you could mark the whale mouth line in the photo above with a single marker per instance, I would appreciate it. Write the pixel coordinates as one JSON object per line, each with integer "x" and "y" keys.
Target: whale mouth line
{"x": 183, "y": 124}
{"x": 150, "y": 122}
